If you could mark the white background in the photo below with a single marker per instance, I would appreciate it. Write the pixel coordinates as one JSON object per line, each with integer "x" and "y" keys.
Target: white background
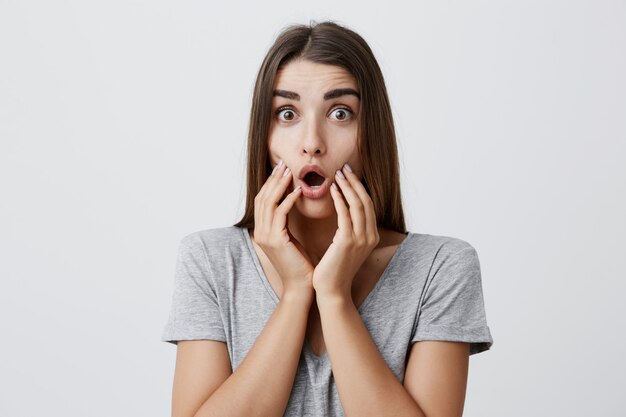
{"x": 123, "y": 128}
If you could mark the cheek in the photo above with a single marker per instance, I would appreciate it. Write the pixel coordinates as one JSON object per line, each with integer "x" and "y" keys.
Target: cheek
{"x": 349, "y": 152}
{"x": 275, "y": 156}
{"x": 274, "y": 150}
{"x": 280, "y": 145}
{"x": 355, "y": 163}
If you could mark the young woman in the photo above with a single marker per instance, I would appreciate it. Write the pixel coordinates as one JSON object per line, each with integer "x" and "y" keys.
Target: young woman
{"x": 318, "y": 302}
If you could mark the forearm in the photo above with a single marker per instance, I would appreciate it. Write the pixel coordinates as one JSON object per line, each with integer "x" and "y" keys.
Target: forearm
{"x": 366, "y": 385}
{"x": 262, "y": 384}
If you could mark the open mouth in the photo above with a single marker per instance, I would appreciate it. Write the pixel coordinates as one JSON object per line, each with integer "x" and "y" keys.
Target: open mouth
{"x": 313, "y": 179}
{"x": 315, "y": 185}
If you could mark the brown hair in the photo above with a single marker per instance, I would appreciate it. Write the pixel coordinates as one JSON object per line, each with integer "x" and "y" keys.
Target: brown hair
{"x": 331, "y": 44}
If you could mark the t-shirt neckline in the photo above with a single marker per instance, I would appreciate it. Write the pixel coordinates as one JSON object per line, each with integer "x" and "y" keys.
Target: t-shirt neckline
{"x": 274, "y": 296}
{"x": 365, "y": 303}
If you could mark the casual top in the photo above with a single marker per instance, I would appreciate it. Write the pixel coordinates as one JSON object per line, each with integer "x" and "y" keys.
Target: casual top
{"x": 431, "y": 289}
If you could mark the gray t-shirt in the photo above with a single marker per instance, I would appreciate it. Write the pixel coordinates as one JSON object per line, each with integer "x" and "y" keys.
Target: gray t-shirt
{"x": 430, "y": 290}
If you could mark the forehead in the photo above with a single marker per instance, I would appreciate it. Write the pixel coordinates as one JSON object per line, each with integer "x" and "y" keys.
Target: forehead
{"x": 307, "y": 75}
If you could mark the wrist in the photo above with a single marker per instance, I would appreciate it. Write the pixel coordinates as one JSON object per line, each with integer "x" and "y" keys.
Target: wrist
{"x": 334, "y": 298}
{"x": 336, "y": 291}
{"x": 299, "y": 295}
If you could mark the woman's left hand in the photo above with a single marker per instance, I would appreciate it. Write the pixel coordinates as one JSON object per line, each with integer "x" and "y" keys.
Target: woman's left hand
{"x": 356, "y": 236}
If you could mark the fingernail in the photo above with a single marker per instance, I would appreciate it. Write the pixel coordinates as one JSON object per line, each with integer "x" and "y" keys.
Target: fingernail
{"x": 297, "y": 188}
{"x": 347, "y": 166}
{"x": 287, "y": 171}
{"x": 278, "y": 165}
{"x": 333, "y": 185}
{"x": 340, "y": 175}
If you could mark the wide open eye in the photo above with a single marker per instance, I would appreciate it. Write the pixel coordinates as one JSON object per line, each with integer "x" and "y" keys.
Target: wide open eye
{"x": 342, "y": 113}
{"x": 287, "y": 112}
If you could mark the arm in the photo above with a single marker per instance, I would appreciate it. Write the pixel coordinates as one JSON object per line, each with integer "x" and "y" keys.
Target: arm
{"x": 366, "y": 385}
{"x": 436, "y": 375}
{"x": 262, "y": 384}
{"x": 202, "y": 365}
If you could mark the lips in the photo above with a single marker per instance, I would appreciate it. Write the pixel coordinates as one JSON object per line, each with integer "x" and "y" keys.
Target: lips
{"x": 311, "y": 191}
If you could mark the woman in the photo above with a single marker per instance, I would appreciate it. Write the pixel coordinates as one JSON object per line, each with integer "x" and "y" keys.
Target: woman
{"x": 312, "y": 303}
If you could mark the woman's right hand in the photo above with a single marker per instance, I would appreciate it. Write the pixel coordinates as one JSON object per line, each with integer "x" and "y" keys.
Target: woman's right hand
{"x": 271, "y": 233}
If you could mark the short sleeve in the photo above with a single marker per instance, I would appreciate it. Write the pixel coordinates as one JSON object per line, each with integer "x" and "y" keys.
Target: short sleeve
{"x": 194, "y": 312}
{"x": 453, "y": 308}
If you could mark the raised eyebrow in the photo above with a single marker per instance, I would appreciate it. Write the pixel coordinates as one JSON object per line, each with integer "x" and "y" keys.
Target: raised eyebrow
{"x": 287, "y": 94}
{"x": 337, "y": 92}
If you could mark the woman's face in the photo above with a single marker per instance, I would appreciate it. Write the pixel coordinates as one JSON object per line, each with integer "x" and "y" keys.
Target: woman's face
{"x": 315, "y": 119}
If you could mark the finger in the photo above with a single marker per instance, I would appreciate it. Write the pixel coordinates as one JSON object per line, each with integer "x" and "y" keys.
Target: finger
{"x": 270, "y": 178}
{"x": 371, "y": 227}
{"x": 266, "y": 204}
{"x": 280, "y": 218}
{"x": 344, "y": 223}
{"x": 278, "y": 188}
{"x": 354, "y": 202}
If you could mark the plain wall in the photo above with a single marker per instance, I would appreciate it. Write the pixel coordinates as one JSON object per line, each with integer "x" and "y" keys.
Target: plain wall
{"x": 123, "y": 128}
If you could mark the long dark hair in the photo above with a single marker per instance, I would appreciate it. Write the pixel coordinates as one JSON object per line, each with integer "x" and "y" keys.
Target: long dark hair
{"x": 332, "y": 44}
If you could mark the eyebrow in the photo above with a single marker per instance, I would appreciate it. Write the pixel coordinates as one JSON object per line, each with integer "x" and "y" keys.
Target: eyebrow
{"x": 337, "y": 92}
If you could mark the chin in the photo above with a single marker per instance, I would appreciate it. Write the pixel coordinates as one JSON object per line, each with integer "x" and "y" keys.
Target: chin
{"x": 318, "y": 209}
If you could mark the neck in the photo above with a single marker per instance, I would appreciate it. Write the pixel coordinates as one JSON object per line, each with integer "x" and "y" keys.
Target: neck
{"x": 315, "y": 235}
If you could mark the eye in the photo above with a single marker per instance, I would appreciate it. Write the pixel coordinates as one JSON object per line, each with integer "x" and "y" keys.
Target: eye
{"x": 342, "y": 113}
{"x": 287, "y": 112}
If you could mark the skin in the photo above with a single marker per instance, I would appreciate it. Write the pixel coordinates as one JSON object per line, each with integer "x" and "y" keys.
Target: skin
{"x": 324, "y": 244}
{"x": 312, "y": 130}
{"x": 322, "y": 257}
{"x": 322, "y": 132}
{"x": 332, "y": 244}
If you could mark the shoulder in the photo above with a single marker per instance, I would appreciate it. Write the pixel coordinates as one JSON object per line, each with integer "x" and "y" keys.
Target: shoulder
{"x": 212, "y": 251}
{"x": 215, "y": 244}
{"x": 441, "y": 243}
{"x": 441, "y": 248}
{"x": 453, "y": 265}
{"x": 219, "y": 236}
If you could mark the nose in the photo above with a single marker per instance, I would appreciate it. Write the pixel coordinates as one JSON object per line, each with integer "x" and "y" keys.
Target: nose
{"x": 313, "y": 141}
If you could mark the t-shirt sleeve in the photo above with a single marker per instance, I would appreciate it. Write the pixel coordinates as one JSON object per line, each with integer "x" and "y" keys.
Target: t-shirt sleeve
{"x": 453, "y": 308}
{"x": 194, "y": 312}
